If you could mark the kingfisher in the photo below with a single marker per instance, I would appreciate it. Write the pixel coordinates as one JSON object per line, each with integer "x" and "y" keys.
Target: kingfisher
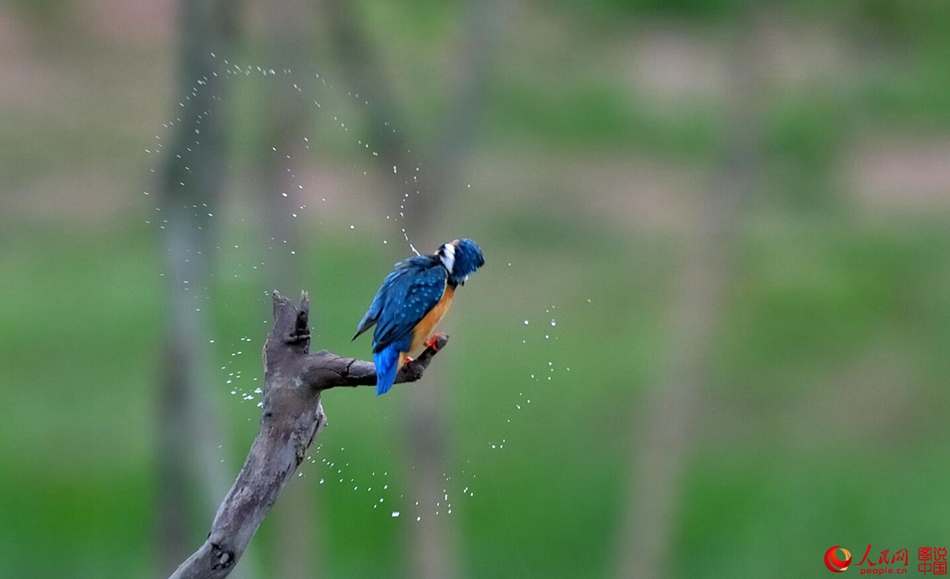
{"x": 411, "y": 301}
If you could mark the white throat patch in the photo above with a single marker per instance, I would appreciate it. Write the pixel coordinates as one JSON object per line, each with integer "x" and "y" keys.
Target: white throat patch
{"x": 448, "y": 256}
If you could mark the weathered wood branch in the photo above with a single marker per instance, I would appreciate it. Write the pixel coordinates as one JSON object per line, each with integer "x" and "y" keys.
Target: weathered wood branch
{"x": 291, "y": 418}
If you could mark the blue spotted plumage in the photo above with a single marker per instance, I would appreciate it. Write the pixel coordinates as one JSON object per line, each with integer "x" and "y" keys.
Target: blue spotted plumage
{"x": 411, "y": 301}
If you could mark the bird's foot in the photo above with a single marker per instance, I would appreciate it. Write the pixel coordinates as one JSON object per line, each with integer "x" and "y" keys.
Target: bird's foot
{"x": 433, "y": 342}
{"x": 407, "y": 360}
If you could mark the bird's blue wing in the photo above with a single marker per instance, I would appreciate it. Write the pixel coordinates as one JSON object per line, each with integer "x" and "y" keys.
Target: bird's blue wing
{"x": 393, "y": 290}
{"x": 406, "y": 296}
{"x": 412, "y": 292}
{"x": 385, "y": 293}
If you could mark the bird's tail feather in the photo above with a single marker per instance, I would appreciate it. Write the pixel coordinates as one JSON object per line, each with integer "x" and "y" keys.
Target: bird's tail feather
{"x": 387, "y": 363}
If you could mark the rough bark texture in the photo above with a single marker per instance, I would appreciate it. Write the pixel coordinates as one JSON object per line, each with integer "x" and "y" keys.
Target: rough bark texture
{"x": 287, "y": 110}
{"x": 291, "y": 417}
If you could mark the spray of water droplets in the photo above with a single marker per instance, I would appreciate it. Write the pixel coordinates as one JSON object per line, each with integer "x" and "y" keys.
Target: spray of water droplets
{"x": 300, "y": 198}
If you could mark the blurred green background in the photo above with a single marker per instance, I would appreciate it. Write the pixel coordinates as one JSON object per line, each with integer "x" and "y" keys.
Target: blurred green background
{"x": 710, "y": 339}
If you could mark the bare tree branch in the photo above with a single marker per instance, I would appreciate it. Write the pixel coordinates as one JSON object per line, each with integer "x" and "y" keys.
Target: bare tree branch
{"x": 291, "y": 418}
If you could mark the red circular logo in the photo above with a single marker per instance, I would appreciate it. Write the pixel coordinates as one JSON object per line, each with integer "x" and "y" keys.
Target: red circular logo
{"x": 833, "y": 563}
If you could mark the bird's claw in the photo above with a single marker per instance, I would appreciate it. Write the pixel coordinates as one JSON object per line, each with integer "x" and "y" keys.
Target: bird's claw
{"x": 433, "y": 342}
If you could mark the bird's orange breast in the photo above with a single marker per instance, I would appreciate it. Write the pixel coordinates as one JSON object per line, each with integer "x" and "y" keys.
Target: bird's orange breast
{"x": 427, "y": 324}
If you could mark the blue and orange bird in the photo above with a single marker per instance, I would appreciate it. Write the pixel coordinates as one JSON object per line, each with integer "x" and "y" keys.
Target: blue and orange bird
{"x": 411, "y": 301}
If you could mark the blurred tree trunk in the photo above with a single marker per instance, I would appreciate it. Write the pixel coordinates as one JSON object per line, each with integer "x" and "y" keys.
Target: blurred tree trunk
{"x": 434, "y": 544}
{"x": 189, "y": 454}
{"x": 662, "y": 449}
{"x": 285, "y": 118}
{"x": 442, "y": 153}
